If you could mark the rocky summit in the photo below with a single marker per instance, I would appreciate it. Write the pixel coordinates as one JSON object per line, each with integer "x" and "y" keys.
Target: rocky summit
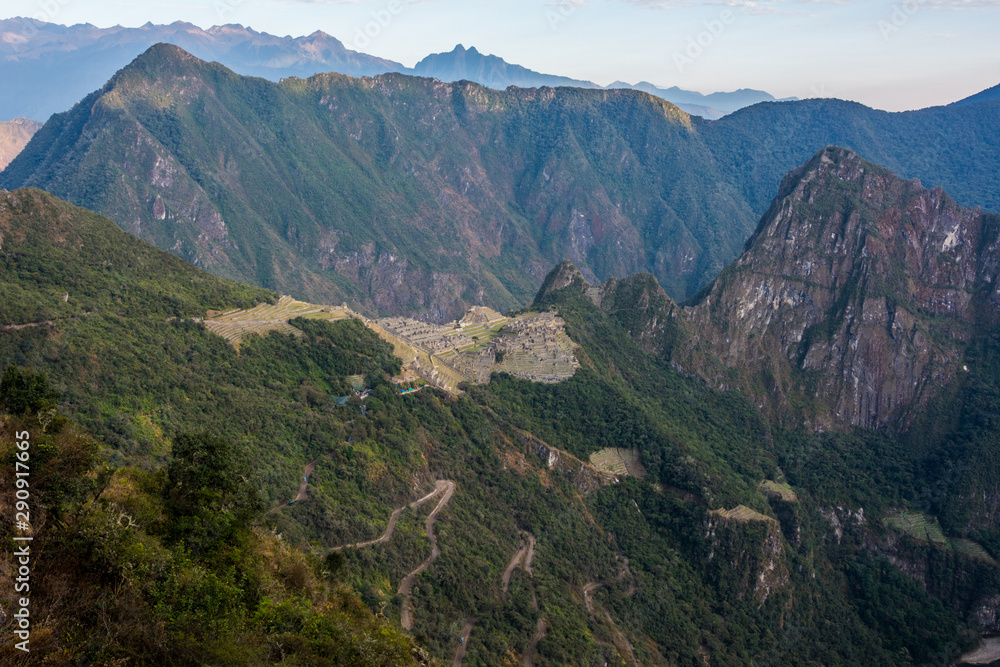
{"x": 852, "y": 303}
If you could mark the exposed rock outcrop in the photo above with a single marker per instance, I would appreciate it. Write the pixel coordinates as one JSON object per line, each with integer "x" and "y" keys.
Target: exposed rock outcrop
{"x": 14, "y": 136}
{"x": 851, "y": 305}
{"x": 858, "y": 291}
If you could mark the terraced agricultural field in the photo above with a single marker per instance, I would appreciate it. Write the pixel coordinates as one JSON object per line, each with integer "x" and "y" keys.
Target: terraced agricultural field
{"x": 741, "y": 513}
{"x": 926, "y": 529}
{"x": 972, "y": 550}
{"x": 918, "y": 526}
{"x": 620, "y": 462}
{"x": 234, "y": 325}
{"x": 778, "y": 490}
{"x": 481, "y": 334}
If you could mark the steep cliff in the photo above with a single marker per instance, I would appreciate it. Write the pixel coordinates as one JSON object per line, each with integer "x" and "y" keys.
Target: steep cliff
{"x": 852, "y": 303}
{"x": 400, "y": 195}
{"x": 855, "y": 298}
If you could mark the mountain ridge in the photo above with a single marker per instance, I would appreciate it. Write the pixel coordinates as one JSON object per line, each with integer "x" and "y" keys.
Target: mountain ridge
{"x": 99, "y": 52}
{"x": 542, "y": 184}
{"x": 507, "y": 182}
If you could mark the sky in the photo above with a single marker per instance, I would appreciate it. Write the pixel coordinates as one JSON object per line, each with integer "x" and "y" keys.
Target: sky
{"x": 892, "y": 55}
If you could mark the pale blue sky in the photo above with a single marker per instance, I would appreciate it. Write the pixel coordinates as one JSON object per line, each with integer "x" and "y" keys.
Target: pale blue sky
{"x": 894, "y": 55}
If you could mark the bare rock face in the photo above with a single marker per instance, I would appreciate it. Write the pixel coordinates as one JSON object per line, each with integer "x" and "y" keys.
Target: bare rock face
{"x": 853, "y": 301}
{"x": 851, "y": 305}
{"x": 14, "y": 136}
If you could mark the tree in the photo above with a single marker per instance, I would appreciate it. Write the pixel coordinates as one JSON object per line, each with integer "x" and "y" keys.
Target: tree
{"x": 211, "y": 495}
{"x": 24, "y": 392}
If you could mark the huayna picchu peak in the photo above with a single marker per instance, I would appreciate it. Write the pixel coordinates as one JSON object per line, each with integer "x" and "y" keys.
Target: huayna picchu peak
{"x": 851, "y": 305}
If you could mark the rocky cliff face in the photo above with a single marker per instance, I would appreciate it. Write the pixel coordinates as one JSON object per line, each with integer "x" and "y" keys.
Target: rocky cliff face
{"x": 857, "y": 293}
{"x": 851, "y": 304}
{"x": 746, "y": 554}
{"x": 14, "y": 136}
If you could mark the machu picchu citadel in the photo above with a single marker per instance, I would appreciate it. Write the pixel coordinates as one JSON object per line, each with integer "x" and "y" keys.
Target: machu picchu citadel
{"x": 530, "y": 346}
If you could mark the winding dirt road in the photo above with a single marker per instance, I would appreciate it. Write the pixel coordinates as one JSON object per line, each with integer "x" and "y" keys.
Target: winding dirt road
{"x": 623, "y": 645}
{"x": 304, "y": 485}
{"x": 586, "y": 596}
{"x": 529, "y": 653}
{"x": 384, "y": 537}
{"x": 463, "y": 643}
{"x": 393, "y": 519}
{"x": 523, "y": 556}
{"x": 406, "y": 585}
{"x": 525, "y": 553}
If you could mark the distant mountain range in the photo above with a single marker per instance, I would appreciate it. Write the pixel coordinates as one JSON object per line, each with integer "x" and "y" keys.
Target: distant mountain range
{"x": 301, "y": 185}
{"x": 46, "y": 67}
{"x": 49, "y": 67}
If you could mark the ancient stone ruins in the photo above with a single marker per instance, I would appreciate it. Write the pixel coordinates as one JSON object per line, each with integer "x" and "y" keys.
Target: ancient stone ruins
{"x": 531, "y": 346}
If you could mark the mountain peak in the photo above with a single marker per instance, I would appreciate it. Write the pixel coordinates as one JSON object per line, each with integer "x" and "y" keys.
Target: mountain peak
{"x": 565, "y": 274}
{"x": 159, "y": 59}
{"x": 165, "y": 50}
{"x": 854, "y": 272}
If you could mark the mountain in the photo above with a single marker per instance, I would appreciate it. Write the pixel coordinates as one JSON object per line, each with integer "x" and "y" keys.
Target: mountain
{"x": 942, "y": 146}
{"x": 282, "y": 184}
{"x": 712, "y": 106}
{"x": 14, "y": 136}
{"x": 988, "y": 95}
{"x": 399, "y": 194}
{"x": 853, "y": 303}
{"x": 47, "y": 68}
{"x": 194, "y": 573}
{"x": 487, "y": 70}
{"x": 628, "y": 514}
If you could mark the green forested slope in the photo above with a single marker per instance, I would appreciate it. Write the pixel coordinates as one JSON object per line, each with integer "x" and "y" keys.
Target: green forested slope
{"x": 401, "y": 193}
{"x": 646, "y": 568}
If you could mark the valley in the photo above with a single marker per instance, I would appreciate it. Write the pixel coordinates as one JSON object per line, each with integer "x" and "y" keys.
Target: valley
{"x": 608, "y": 384}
